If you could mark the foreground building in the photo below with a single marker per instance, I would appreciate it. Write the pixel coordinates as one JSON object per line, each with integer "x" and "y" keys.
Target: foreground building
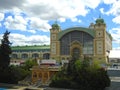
{"x": 42, "y": 73}
{"x": 74, "y": 42}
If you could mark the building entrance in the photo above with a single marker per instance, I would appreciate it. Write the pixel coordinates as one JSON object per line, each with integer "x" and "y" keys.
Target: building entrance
{"x": 76, "y": 53}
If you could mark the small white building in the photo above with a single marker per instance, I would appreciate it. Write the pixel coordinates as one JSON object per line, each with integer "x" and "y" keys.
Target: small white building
{"x": 114, "y": 59}
{"x": 114, "y": 56}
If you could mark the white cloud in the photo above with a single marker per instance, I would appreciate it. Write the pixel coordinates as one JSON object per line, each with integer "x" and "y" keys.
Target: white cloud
{"x": 50, "y": 9}
{"x": 91, "y": 3}
{"x": 32, "y": 31}
{"x": 102, "y": 10}
{"x": 39, "y": 12}
{"x": 79, "y": 21}
{"x": 1, "y": 16}
{"x": 56, "y": 9}
{"x": 39, "y": 39}
{"x": 20, "y": 40}
{"x": 74, "y": 19}
{"x": 37, "y": 23}
{"x": 15, "y": 23}
{"x": 115, "y": 9}
{"x": 0, "y": 25}
{"x": 109, "y": 1}
{"x": 115, "y": 32}
{"x": 116, "y": 20}
{"x": 20, "y": 23}
{"x": 62, "y": 19}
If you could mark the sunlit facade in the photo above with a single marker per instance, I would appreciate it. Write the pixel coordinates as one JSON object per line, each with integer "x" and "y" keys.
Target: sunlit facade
{"x": 80, "y": 42}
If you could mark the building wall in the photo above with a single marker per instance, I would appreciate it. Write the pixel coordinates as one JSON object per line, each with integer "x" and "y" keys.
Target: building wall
{"x": 30, "y": 55}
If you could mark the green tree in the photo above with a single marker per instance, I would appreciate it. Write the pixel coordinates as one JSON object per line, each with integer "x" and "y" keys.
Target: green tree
{"x": 5, "y": 51}
{"x": 29, "y": 64}
{"x": 18, "y": 73}
{"x": 82, "y": 75}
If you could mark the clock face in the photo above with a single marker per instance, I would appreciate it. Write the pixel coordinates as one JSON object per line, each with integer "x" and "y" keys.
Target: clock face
{"x": 99, "y": 33}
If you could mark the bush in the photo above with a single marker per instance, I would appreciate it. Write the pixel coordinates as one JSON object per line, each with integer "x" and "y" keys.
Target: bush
{"x": 61, "y": 82}
{"x": 81, "y": 75}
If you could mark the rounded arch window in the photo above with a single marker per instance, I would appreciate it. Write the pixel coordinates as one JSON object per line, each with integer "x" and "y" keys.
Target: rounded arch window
{"x": 24, "y": 56}
{"x": 35, "y": 55}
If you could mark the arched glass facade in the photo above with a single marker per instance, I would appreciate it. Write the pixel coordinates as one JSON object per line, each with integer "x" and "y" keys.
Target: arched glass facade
{"x": 85, "y": 39}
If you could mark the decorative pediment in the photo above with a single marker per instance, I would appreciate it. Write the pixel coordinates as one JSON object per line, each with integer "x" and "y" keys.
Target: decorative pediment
{"x": 76, "y": 46}
{"x": 76, "y": 43}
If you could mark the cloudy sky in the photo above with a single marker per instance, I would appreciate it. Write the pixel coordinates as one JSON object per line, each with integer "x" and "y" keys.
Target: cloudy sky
{"x": 29, "y": 21}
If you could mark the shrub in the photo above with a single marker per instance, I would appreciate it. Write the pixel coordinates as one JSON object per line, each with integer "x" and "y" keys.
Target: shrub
{"x": 81, "y": 75}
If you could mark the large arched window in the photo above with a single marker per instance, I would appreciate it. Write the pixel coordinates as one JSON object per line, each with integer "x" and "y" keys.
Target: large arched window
{"x": 84, "y": 38}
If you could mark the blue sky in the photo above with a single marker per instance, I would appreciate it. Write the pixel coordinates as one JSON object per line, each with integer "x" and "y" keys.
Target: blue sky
{"x": 29, "y": 21}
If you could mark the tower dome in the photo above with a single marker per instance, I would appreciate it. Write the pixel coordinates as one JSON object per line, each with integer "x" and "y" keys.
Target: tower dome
{"x": 55, "y": 26}
{"x": 100, "y": 21}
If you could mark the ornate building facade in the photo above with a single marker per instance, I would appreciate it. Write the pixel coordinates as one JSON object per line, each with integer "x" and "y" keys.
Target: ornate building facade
{"x": 74, "y": 42}
{"x": 78, "y": 42}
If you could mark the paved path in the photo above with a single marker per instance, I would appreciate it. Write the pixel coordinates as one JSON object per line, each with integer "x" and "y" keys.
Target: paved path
{"x": 115, "y": 79}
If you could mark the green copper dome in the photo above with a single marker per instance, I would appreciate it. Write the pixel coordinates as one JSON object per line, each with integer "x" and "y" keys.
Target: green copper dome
{"x": 55, "y": 26}
{"x": 100, "y": 20}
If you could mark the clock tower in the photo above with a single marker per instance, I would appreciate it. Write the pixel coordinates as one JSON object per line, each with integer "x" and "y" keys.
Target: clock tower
{"x": 54, "y": 42}
{"x": 99, "y": 41}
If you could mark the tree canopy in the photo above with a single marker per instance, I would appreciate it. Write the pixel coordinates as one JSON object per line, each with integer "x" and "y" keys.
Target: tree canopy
{"x": 82, "y": 75}
{"x": 5, "y": 51}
